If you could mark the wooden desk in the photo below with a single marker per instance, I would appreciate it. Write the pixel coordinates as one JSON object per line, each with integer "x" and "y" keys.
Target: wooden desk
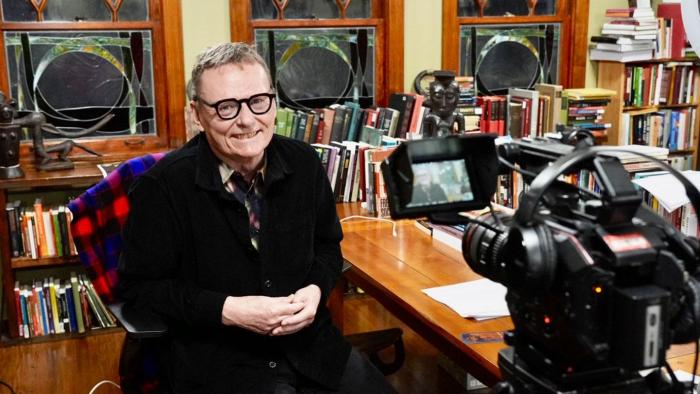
{"x": 394, "y": 270}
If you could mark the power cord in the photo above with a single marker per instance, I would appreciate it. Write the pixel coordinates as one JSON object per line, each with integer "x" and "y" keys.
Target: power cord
{"x": 393, "y": 223}
{"x": 100, "y": 383}
{"x": 8, "y": 386}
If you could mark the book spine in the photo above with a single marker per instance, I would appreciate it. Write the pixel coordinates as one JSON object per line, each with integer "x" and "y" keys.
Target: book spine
{"x": 75, "y": 287}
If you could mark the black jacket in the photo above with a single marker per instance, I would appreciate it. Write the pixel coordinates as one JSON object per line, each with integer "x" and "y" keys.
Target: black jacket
{"x": 187, "y": 247}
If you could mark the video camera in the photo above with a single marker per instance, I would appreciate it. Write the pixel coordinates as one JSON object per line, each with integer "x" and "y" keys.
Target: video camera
{"x": 598, "y": 285}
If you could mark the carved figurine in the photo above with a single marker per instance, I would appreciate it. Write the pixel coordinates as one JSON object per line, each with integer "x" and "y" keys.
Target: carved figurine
{"x": 9, "y": 141}
{"x": 36, "y": 122}
{"x": 444, "y": 95}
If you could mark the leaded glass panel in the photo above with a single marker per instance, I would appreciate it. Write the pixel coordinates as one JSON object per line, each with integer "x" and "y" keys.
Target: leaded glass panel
{"x": 311, "y": 9}
{"x": 505, "y": 7}
{"x": 72, "y": 10}
{"x": 503, "y": 56}
{"x": 315, "y": 68}
{"x": 78, "y": 78}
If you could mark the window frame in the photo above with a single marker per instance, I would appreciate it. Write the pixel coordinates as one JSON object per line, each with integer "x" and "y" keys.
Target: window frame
{"x": 572, "y": 15}
{"x": 386, "y": 18}
{"x": 165, "y": 24}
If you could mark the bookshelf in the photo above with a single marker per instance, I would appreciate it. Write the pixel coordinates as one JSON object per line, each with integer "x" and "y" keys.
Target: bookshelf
{"x": 613, "y": 75}
{"x": 84, "y": 175}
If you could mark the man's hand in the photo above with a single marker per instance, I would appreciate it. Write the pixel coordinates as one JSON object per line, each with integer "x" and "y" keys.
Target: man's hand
{"x": 309, "y": 296}
{"x": 260, "y": 314}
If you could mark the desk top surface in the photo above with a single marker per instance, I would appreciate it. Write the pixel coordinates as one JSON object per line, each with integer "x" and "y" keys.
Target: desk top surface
{"x": 394, "y": 270}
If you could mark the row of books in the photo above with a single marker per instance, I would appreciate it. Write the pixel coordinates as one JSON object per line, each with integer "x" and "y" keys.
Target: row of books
{"x": 52, "y": 306}
{"x": 668, "y": 128}
{"x": 522, "y": 112}
{"x": 354, "y": 173}
{"x": 344, "y": 122}
{"x": 659, "y": 84}
{"x": 39, "y": 231}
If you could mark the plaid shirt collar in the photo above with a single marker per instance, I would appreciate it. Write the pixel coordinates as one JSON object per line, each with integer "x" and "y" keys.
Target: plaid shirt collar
{"x": 227, "y": 172}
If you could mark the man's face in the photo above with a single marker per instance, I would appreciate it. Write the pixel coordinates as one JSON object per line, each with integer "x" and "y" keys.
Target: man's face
{"x": 243, "y": 139}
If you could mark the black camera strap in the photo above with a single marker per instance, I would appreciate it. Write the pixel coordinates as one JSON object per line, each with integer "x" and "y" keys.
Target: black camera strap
{"x": 528, "y": 205}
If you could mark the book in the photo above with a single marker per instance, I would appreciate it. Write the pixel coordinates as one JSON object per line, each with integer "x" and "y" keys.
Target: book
{"x": 554, "y": 109}
{"x": 533, "y": 96}
{"x": 672, "y": 11}
{"x": 627, "y": 56}
{"x": 75, "y": 289}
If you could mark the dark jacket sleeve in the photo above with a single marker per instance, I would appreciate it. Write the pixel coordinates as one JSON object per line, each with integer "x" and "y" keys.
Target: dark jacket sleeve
{"x": 151, "y": 263}
{"x": 328, "y": 260}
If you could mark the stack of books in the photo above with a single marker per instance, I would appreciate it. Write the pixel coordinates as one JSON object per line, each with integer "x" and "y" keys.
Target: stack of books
{"x": 630, "y": 34}
{"x": 585, "y": 108}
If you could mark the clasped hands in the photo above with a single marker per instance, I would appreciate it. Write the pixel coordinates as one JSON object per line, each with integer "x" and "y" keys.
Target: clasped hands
{"x": 273, "y": 315}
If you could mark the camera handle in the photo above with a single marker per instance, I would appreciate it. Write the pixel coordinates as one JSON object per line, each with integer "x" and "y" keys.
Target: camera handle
{"x": 528, "y": 205}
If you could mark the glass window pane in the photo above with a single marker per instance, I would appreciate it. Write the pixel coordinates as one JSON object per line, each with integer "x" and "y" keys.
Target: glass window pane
{"x": 505, "y": 7}
{"x": 18, "y": 11}
{"x": 504, "y": 56}
{"x": 78, "y": 78}
{"x": 311, "y": 9}
{"x": 71, "y": 10}
{"x": 315, "y": 68}
{"x": 134, "y": 10}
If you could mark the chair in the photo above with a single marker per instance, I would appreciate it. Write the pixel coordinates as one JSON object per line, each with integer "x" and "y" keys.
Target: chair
{"x": 99, "y": 215}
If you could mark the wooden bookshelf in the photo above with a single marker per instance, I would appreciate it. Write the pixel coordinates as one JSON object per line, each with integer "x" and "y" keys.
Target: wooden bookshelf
{"x": 611, "y": 75}
{"x": 81, "y": 177}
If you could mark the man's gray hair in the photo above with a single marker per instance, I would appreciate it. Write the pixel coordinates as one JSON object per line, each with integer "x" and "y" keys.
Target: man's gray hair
{"x": 226, "y": 53}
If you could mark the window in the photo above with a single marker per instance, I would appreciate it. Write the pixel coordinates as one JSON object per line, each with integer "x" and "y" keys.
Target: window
{"x": 516, "y": 43}
{"x": 325, "y": 51}
{"x": 80, "y": 61}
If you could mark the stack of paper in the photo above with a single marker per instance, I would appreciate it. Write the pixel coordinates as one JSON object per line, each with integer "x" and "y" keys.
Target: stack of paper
{"x": 668, "y": 190}
{"x": 480, "y": 299}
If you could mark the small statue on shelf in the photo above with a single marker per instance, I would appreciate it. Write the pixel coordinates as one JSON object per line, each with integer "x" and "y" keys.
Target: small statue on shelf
{"x": 443, "y": 117}
{"x": 36, "y": 122}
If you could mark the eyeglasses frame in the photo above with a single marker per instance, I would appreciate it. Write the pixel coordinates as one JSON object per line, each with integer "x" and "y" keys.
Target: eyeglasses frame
{"x": 272, "y": 96}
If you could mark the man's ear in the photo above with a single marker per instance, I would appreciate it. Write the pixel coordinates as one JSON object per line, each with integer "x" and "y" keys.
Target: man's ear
{"x": 195, "y": 115}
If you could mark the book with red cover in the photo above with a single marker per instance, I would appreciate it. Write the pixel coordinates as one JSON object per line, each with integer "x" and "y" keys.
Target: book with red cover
{"x": 673, "y": 11}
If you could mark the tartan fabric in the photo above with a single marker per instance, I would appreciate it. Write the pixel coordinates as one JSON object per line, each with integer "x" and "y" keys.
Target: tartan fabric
{"x": 98, "y": 217}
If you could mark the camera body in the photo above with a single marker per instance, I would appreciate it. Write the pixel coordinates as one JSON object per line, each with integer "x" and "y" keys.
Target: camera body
{"x": 598, "y": 286}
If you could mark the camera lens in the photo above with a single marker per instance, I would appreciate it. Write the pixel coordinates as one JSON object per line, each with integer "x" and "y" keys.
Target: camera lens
{"x": 482, "y": 247}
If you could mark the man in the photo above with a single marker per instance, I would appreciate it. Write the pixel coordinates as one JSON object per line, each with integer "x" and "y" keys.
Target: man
{"x": 234, "y": 240}
{"x": 425, "y": 190}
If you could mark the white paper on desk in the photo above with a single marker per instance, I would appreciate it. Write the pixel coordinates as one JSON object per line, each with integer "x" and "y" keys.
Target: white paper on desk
{"x": 668, "y": 190}
{"x": 479, "y": 299}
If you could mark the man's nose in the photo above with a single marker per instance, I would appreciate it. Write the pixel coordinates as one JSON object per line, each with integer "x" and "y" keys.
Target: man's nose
{"x": 245, "y": 115}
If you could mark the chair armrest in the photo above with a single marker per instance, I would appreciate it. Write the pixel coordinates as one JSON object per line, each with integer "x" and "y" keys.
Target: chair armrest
{"x": 138, "y": 324}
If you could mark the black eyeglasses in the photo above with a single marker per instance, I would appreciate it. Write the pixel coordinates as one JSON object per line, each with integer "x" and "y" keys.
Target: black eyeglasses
{"x": 229, "y": 108}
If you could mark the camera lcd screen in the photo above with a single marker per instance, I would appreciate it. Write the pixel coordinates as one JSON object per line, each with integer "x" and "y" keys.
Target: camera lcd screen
{"x": 440, "y": 182}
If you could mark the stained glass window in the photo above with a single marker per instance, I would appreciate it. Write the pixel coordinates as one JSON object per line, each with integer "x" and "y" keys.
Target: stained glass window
{"x": 311, "y": 9}
{"x": 315, "y": 68}
{"x": 505, "y": 7}
{"x": 76, "y": 78}
{"x": 73, "y": 10}
{"x": 503, "y": 56}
